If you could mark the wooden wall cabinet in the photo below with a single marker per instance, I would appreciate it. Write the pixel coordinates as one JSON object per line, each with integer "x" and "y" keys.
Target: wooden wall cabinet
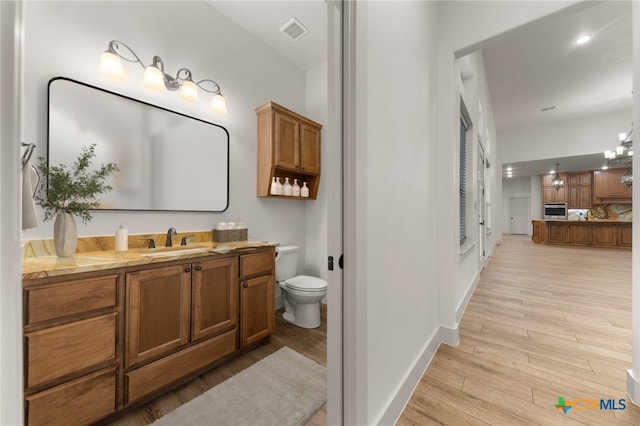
{"x": 549, "y": 193}
{"x": 257, "y": 297}
{"x": 607, "y": 187}
{"x": 580, "y": 190}
{"x": 71, "y": 349}
{"x": 288, "y": 146}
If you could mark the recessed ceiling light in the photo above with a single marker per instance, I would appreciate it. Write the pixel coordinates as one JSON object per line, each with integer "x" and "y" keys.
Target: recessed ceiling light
{"x": 582, "y": 39}
{"x": 605, "y": 167}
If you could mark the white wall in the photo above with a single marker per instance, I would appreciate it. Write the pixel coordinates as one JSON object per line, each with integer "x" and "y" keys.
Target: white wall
{"x": 67, "y": 38}
{"x": 587, "y": 135}
{"x": 397, "y": 93}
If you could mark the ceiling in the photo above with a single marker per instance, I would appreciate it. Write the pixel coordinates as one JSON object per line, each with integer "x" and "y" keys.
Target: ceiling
{"x": 534, "y": 67}
{"x": 266, "y": 17}
{"x": 539, "y": 66}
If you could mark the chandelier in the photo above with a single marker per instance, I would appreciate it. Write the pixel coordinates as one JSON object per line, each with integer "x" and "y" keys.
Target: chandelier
{"x": 558, "y": 182}
{"x": 622, "y": 156}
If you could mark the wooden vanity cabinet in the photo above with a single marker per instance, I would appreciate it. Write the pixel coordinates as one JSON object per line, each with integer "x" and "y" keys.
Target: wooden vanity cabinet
{"x": 170, "y": 309}
{"x": 257, "y": 297}
{"x": 288, "y": 146}
{"x": 96, "y": 343}
{"x": 71, "y": 349}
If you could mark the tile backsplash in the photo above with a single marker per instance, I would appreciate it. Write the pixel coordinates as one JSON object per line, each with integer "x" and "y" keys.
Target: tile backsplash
{"x": 613, "y": 212}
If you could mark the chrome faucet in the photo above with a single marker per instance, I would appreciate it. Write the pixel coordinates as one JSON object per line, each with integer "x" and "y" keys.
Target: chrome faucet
{"x": 170, "y": 233}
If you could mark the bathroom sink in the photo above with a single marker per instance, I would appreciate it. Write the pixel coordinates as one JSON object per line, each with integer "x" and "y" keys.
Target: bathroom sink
{"x": 175, "y": 251}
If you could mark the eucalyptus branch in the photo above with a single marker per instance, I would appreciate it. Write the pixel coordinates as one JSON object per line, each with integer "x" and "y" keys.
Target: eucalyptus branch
{"x": 73, "y": 190}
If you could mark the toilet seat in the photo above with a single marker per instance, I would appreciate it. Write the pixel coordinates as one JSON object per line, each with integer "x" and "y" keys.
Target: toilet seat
{"x": 306, "y": 283}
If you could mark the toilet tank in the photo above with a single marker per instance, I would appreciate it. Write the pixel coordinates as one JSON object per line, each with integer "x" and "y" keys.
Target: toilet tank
{"x": 286, "y": 262}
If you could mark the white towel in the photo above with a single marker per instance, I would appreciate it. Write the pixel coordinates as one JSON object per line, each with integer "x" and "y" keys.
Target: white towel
{"x": 29, "y": 185}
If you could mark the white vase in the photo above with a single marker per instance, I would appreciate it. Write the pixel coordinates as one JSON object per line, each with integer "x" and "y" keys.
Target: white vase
{"x": 65, "y": 234}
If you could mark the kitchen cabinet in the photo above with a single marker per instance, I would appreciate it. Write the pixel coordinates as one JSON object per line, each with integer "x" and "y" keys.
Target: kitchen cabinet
{"x": 551, "y": 194}
{"x": 257, "y": 297}
{"x": 288, "y": 146}
{"x": 71, "y": 349}
{"x": 579, "y": 190}
{"x": 583, "y": 233}
{"x": 607, "y": 187}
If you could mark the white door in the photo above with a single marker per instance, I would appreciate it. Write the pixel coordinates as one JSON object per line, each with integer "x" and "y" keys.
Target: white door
{"x": 520, "y": 216}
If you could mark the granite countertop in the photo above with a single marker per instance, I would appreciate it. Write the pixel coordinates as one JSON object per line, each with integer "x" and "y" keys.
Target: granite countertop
{"x": 50, "y": 265}
{"x": 582, "y": 222}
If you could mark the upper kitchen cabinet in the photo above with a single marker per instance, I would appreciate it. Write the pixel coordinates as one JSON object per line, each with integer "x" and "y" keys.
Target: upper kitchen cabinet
{"x": 579, "y": 190}
{"x": 288, "y": 147}
{"x": 608, "y": 187}
{"x": 551, "y": 194}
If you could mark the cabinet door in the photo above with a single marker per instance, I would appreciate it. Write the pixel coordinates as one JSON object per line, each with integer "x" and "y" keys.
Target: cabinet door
{"x": 158, "y": 304}
{"x": 613, "y": 185}
{"x": 286, "y": 142}
{"x": 309, "y": 149}
{"x": 585, "y": 178}
{"x": 580, "y": 234}
{"x": 558, "y": 233}
{"x": 598, "y": 184}
{"x": 257, "y": 317}
{"x": 584, "y": 197}
{"x": 548, "y": 194}
{"x": 604, "y": 235}
{"x": 625, "y": 236}
{"x": 574, "y": 197}
{"x": 214, "y": 301}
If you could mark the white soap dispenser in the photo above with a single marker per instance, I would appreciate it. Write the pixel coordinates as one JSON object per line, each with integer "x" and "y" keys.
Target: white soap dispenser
{"x": 278, "y": 186}
{"x": 295, "y": 188}
{"x": 274, "y": 186}
{"x": 122, "y": 239}
{"x": 304, "y": 191}
{"x": 286, "y": 188}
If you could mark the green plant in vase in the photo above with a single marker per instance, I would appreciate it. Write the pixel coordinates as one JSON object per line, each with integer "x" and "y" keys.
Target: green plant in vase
{"x": 71, "y": 191}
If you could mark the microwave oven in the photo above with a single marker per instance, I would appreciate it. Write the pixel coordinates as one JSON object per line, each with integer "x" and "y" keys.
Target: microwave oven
{"x": 557, "y": 211}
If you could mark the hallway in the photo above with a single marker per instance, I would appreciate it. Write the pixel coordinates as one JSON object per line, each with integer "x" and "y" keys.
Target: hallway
{"x": 544, "y": 322}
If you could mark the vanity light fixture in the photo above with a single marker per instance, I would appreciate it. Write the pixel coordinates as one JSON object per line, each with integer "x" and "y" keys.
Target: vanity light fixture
{"x": 155, "y": 77}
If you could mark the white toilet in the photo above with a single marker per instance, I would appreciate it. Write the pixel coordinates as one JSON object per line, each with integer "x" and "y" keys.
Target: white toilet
{"x": 301, "y": 293}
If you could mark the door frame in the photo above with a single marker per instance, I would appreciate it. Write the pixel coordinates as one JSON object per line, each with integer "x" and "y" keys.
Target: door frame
{"x": 482, "y": 207}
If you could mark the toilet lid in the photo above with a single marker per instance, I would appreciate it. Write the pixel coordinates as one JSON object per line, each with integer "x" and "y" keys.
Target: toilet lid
{"x": 306, "y": 283}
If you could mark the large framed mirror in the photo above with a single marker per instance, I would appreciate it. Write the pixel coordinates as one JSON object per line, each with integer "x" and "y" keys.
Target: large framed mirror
{"x": 168, "y": 161}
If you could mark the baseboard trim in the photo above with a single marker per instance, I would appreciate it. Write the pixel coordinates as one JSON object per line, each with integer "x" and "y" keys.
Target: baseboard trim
{"x": 467, "y": 296}
{"x": 397, "y": 403}
{"x": 633, "y": 387}
{"x": 450, "y": 336}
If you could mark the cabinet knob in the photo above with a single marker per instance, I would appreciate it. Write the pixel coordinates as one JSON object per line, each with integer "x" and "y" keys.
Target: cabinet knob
{"x": 187, "y": 269}
{"x": 245, "y": 285}
{"x": 198, "y": 268}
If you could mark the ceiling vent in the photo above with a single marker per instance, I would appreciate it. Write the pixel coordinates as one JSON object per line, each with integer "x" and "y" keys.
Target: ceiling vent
{"x": 294, "y": 29}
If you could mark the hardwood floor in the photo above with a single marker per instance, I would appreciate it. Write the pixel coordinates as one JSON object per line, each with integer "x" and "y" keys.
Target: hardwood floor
{"x": 544, "y": 322}
{"x": 310, "y": 343}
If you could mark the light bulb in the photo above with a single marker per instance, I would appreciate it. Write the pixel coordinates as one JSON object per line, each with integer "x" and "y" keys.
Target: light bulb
{"x": 619, "y": 150}
{"x": 111, "y": 66}
{"x": 219, "y": 105}
{"x": 583, "y": 39}
{"x": 154, "y": 79}
{"x": 622, "y": 136}
{"x": 189, "y": 91}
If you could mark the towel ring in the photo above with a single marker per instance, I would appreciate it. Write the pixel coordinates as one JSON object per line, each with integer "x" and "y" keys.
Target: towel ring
{"x": 28, "y": 153}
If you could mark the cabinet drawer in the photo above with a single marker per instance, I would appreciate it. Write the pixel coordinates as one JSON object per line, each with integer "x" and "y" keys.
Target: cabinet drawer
{"x": 70, "y": 297}
{"x": 256, "y": 263}
{"x": 157, "y": 375}
{"x": 79, "y": 402}
{"x": 55, "y": 352}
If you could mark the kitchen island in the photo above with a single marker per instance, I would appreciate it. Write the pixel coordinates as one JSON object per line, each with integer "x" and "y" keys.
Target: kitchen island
{"x": 597, "y": 233}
